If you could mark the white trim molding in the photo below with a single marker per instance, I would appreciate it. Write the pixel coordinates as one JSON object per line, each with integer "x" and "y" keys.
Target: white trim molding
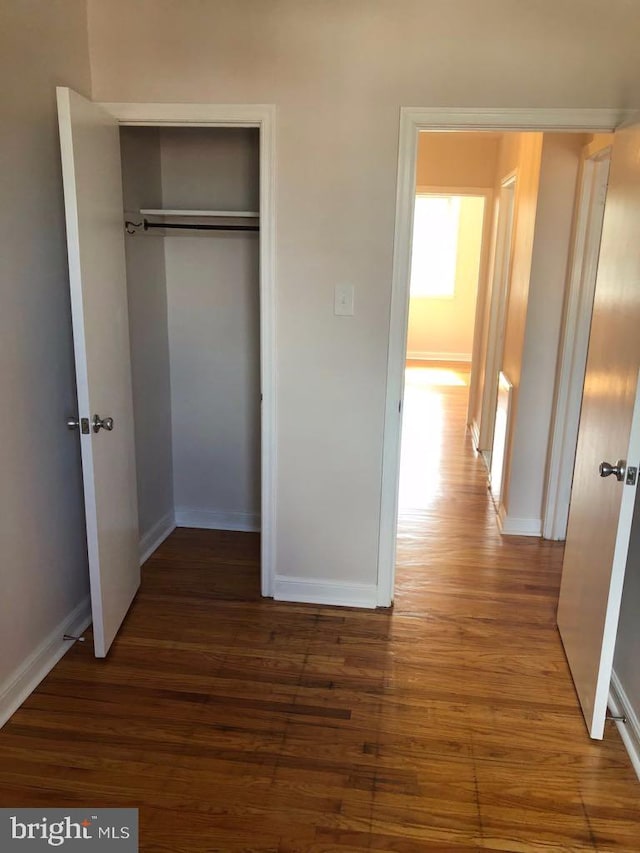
{"x": 154, "y": 537}
{"x": 39, "y": 664}
{"x": 505, "y": 118}
{"x": 263, "y": 117}
{"x": 475, "y": 435}
{"x": 434, "y": 189}
{"x": 420, "y": 355}
{"x": 331, "y": 593}
{"x": 213, "y": 519}
{"x": 142, "y": 114}
{"x": 621, "y": 706}
{"x": 498, "y": 298}
{"x": 510, "y": 526}
{"x": 412, "y": 121}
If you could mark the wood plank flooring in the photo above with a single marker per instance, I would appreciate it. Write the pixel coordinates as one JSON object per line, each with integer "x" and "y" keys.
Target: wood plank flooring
{"x": 240, "y": 724}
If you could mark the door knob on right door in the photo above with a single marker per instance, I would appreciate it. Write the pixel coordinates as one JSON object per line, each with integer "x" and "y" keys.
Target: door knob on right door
{"x": 607, "y": 469}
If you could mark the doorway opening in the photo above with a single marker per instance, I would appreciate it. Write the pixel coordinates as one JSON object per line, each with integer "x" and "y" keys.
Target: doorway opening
{"x": 448, "y": 234}
{"x": 529, "y": 245}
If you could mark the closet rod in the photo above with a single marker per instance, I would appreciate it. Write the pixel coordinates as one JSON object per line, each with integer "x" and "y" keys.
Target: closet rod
{"x": 199, "y": 226}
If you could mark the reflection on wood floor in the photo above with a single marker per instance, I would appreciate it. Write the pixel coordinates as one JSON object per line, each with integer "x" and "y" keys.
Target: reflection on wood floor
{"x": 240, "y": 724}
{"x": 446, "y": 516}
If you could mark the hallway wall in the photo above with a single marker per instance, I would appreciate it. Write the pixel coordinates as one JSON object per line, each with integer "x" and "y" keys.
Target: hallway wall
{"x": 463, "y": 160}
{"x": 532, "y": 340}
{"x": 518, "y": 153}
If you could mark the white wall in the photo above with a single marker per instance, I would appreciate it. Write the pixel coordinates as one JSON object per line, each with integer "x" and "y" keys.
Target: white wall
{"x": 148, "y": 334}
{"x": 43, "y": 569}
{"x": 214, "y": 331}
{"x": 339, "y": 72}
{"x": 539, "y": 355}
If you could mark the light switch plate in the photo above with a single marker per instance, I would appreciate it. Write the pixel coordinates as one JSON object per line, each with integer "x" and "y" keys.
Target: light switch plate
{"x": 343, "y": 300}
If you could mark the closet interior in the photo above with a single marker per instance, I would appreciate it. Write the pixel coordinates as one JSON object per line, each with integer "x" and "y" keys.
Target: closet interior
{"x": 191, "y": 202}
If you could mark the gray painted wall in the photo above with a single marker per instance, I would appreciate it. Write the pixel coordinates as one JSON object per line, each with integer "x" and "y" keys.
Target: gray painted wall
{"x": 43, "y": 567}
{"x": 147, "y": 294}
{"x": 214, "y": 333}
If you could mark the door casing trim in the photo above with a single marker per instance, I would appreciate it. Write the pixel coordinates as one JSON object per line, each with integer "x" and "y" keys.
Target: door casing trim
{"x": 263, "y": 117}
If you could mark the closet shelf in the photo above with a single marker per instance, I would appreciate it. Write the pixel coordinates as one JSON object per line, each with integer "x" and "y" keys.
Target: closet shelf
{"x": 227, "y": 214}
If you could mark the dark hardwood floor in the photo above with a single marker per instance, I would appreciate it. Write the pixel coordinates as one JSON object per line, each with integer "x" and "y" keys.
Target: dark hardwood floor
{"x": 239, "y": 724}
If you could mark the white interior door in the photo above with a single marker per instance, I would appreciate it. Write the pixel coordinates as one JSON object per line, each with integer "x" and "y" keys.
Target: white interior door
{"x": 90, "y": 145}
{"x": 602, "y": 508}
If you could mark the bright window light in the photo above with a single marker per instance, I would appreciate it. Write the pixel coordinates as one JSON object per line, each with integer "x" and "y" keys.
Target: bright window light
{"x": 435, "y": 244}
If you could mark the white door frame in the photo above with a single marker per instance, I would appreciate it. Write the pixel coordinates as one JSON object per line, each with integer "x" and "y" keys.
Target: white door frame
{"x": 481, "y": 302}
{"x": 573, "y": 355}
{"x": 412, "y": 121}
{"x": 497, "y": 320}
{"x": 261, "y": 116}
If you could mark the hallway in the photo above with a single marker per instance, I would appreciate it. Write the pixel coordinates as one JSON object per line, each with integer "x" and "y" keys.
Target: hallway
{"x": 236, "y": 723}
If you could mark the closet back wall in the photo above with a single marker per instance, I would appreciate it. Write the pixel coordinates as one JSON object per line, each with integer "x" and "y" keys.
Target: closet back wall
{"x": 214, "y": 329}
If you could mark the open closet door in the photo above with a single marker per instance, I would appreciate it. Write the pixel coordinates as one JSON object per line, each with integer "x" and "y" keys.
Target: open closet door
{"x": 90, "y": 145}
{"x": 602, "y": 499}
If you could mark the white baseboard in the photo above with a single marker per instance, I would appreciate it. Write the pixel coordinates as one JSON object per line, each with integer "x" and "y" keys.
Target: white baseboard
{"x": 217, "y": 520}
{"x": 421, "y": 355}
{"x": 475, "y": 435}
{"x": 26, "y": 678}
{"x": 153, "y": 538}
{"x": 620, "y": 706}
{"x": 335, "y": 593}
{"x": 510, "y": 526}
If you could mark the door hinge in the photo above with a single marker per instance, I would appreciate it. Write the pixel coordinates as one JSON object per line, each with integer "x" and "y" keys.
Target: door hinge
{"x": 632, "y": 474}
